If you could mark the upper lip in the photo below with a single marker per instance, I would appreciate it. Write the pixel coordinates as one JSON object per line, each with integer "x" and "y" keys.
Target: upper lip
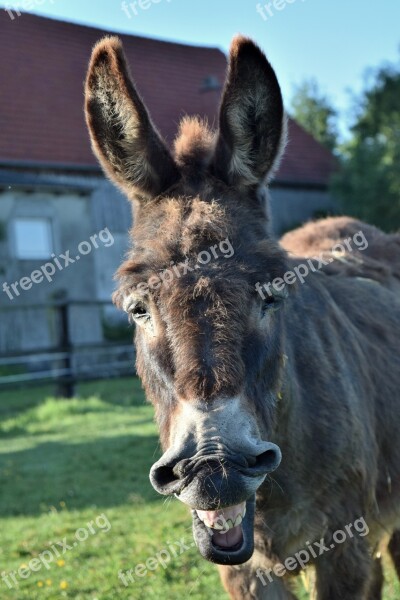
{"x": 190, "y": 468}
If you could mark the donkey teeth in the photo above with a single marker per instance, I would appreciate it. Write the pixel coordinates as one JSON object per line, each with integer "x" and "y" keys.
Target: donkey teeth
{"x": 219, "y": 524}
{"x": 239, "y": 519}
{"x": 224, "y": 524}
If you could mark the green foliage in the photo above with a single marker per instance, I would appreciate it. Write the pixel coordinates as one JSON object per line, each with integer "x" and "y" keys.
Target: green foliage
{"x": 313, "y": 111}
{"x": 368, "y": 184}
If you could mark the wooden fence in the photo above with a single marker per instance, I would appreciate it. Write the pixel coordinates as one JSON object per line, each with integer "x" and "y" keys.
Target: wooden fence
{"x": 66, "y": 363}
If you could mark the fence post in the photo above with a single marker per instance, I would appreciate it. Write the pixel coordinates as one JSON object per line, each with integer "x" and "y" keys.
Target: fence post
{"x": 66, "y": 383}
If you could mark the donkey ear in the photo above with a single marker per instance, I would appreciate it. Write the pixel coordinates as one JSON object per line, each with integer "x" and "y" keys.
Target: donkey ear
{"x": 252, "y": 123}
{"x": 123, "y": 137}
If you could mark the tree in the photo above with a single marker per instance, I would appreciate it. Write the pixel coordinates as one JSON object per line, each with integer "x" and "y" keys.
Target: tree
{"x": 313, "y": 111}
{"x": 368, "y": 183}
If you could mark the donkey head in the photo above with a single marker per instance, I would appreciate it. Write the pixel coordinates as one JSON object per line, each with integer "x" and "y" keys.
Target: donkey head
{"x": 208, "y": 346}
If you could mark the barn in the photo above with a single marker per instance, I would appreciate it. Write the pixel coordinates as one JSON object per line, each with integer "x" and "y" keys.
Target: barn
{"x": 53, "y": 196}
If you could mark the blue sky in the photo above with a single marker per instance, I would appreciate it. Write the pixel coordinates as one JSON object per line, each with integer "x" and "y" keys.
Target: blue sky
{"x": 334, "y": 41}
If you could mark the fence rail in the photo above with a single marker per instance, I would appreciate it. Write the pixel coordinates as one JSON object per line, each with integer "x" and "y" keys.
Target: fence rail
{"x": 66, "y": 363}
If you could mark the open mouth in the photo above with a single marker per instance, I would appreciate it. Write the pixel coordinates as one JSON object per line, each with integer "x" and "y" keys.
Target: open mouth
{"x": 225, "y": 536}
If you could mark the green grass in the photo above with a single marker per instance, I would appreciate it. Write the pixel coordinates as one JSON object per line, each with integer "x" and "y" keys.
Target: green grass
{"x": 63, "y": 464}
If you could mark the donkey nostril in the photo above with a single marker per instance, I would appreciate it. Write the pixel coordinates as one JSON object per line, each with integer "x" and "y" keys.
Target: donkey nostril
{"x": 167, "y": 478}
{"x": 162, "y": 478}
{"x": 268, "y": 461}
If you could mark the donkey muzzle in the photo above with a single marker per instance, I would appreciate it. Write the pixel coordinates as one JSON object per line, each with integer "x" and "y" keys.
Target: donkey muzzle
{"x": 214, "y": 480}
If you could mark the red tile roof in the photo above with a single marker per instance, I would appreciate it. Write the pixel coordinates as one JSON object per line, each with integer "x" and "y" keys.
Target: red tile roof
{"x": 42, "y": 68}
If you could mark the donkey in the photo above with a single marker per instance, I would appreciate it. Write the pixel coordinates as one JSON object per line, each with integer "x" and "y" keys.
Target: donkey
{"x": 302, "y": 381}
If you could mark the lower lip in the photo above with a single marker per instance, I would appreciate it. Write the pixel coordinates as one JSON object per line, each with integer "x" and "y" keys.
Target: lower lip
{"x": 211, "y": 546}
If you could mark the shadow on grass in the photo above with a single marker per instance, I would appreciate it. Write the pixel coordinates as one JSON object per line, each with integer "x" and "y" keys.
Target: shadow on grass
{"x": 106, "y": 472}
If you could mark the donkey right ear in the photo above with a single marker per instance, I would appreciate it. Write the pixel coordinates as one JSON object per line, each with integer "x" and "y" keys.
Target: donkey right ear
{"x": 123, "y": 137}
{"x": 252, "y": 123}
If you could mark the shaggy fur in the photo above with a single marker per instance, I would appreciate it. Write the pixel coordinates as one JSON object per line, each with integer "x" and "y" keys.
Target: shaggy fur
{"x": 321, "y": 374}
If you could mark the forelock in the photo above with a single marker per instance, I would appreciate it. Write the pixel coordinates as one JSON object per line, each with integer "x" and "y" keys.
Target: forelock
{"x": 194, "y": 145}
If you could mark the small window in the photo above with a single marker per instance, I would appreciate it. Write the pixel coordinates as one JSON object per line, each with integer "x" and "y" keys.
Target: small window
{"x": 33, "y": 238}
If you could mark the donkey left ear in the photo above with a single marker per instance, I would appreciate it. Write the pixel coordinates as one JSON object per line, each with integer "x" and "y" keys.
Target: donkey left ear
{"x": 252, "y": 122}
{"x": 123, "y": 137}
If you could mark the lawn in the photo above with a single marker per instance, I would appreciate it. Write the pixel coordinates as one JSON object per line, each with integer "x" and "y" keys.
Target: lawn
{"x": 75, "y": 495}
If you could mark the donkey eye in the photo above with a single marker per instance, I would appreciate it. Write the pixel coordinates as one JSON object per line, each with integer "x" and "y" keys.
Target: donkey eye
{"x": 270, "y": 304}
{"x": 139, "y": 312}
{"x": 273, "y": 302}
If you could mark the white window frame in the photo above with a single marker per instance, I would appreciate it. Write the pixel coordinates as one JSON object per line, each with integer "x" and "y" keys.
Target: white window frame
{"x": 41, "y": 253}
